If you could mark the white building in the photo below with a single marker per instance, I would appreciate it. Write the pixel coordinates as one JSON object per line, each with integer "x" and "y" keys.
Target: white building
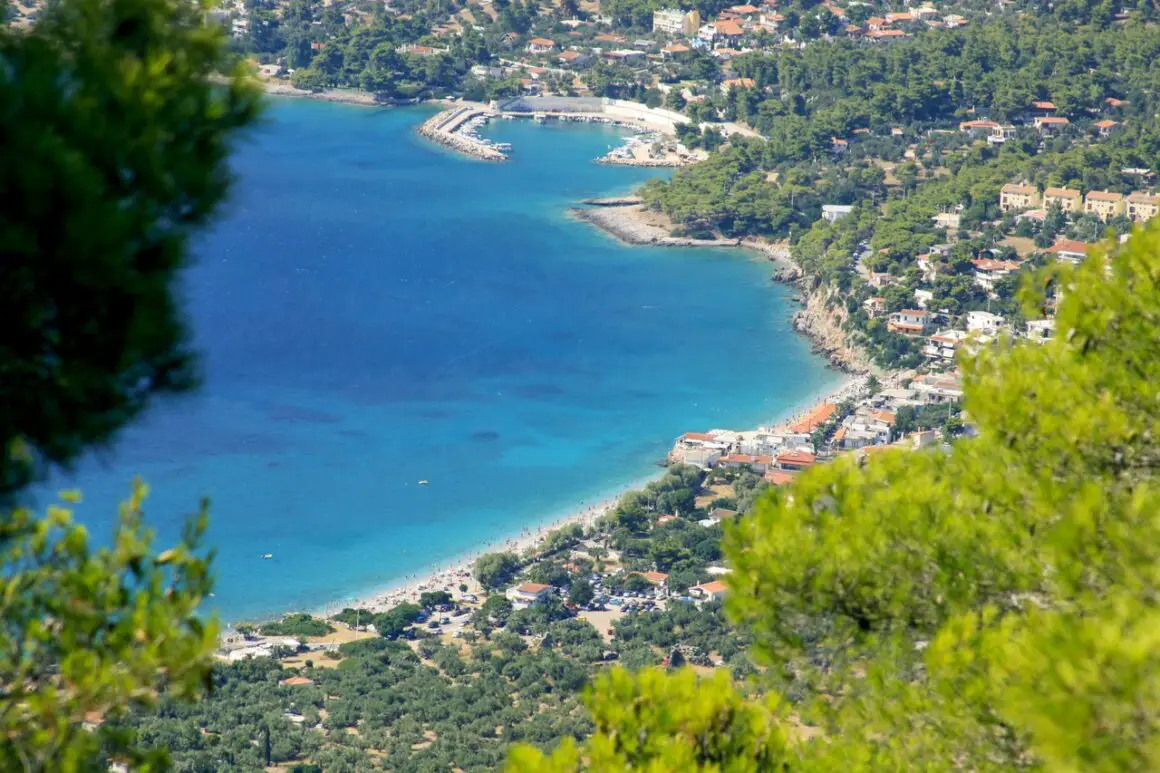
{"x": 528, "y": 593}
{"x": 937, "y": 389}
{"x": 984, "y": 322}
{"x": 1040, "y": 330}
{"x": 833, "y": 212}
{"x": 710, "y": 591}
{"x": 944, "y": 344}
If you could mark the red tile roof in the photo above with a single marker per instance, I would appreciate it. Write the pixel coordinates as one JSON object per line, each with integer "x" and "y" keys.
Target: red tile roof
{"x": 800, "y": 458}
{"x": 532, "y": 587}
{"x": 781, "y": 477}
{"x": 698, "y": 436}
{"x": 1070, "y": 245}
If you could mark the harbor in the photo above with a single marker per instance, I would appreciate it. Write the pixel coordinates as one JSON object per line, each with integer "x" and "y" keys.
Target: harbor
{"x": 458, "y": 129}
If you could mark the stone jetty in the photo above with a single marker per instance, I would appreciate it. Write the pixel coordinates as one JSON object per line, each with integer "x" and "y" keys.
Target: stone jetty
{"x": 445, "y": 129}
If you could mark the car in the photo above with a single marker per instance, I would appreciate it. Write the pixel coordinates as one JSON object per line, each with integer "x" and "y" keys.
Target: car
{"x": 445, "y": 620}
{"x": 433, "y": 624}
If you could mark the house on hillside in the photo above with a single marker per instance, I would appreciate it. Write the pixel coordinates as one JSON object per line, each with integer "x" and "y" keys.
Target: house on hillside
{"x": 710, "y": 591}
{"x": 1067, "y": 199}
{"x": 944, "y": 344}
{"x": 1103, "y": 204}
{"x": 540, "y": 45}
{"x": 909, "y": 321}
{"x": 1051, "y": 125}
{"x": 1142, "y": 206}
{"x": 1070, "y": 250}
{"x": 795, "y": 461}
{"x": 937, "y": 389}
{"x": 984, "y": 322}
{"x": 1014, "y": 197}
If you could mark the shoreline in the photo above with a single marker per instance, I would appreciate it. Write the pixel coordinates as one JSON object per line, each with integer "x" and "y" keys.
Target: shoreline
{"x": 450, "y": 573}
{"x": 629, "y": 221}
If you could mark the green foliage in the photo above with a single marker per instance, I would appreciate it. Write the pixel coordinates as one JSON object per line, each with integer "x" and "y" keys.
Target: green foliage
{"x": 118, "y": 120}
{"x": 351, "y": 617}
{"x": 115, "y": 146}
{"x": 95, "y": 633}
{"x": 654, "y": 721}
{"x": 392, "y": 623}
{"x": 298, "y": 624}
{"x": 494, "y": 570}
{"x": 434, "y": 598}
{"x": 987, "y": 608}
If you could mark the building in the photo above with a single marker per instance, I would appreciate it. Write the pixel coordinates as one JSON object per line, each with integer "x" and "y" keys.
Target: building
{"x": 1069, "y": 250}
{"x": 1066, "y": 199}
{"x": 1051, "y": 124}
{"x": 710, "y": 591}
{"x": 1106, "y": 127}
{"x": 944, "y": 344}
{"x": 574, "y": 58}
{"x": 909, "y": 321}
{"x": 1104, "y": 204}
{"x": 833, "y": 212}
{"x": 795, "y": 461}
{"x": 1001, "y": 134}
{"x": 939, "y": 389}
{"x": 1142, "y": 206}
{"x": 984, "y": 322}
{"x": 978, "y": 128}
{"x": 675, "y": 51}
{"x": 540, "y": 45}
{"x": 675, "y": 22}
{"x": 728, "y": 29}
{"x": 951, "y": 221}
{"x": 699, "y": 448}
{"x": 719, "y": 514}
{"x": 770, "y": 22}
{"x": 780, "y": 477}
{"x": 988, "y": 271}
{"x": 1040, "y": 330}
{"x": 1016, "y": 198}
{"x": 737, "y": 83}
{"x": 654, "y": 578}
{"x": 528, "y": 593}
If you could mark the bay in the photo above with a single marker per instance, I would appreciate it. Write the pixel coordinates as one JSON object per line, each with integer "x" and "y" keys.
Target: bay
{"x": 374, "y": 311}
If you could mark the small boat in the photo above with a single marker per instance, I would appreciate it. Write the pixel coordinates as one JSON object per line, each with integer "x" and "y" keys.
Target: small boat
{"x": 424, "y": 482}
{"x": 267, "y": 556}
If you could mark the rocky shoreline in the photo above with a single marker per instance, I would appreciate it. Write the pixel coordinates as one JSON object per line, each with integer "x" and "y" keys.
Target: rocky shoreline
{"x": 344, "y": 96}
{"x": 628, "y": 220}
{"x": 635, "y": 224}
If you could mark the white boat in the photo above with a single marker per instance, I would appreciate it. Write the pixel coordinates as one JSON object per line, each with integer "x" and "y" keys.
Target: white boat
{"x": 267, "y": 556}
{"x": 424, "y": 482}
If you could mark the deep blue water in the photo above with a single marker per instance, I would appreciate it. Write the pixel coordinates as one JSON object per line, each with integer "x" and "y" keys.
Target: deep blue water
{"x": 374, "y": 311}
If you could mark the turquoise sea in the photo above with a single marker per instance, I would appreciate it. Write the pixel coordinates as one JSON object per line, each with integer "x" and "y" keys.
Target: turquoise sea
{"x": 374, "y": 311}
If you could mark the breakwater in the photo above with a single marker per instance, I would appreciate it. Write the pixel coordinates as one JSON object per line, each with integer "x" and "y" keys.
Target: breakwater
{"x": 448, "y": 129}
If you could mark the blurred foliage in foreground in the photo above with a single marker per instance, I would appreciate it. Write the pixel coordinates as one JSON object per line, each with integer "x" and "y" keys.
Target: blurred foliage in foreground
{"x": 117, "y": 120}
{"x": 994, "y": 607}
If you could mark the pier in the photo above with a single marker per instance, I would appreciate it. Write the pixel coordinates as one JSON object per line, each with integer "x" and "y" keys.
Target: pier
{"x": 455, "y": 129}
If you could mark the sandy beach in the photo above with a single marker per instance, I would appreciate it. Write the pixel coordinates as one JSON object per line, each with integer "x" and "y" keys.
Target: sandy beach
{"x": 449, "y": 575}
